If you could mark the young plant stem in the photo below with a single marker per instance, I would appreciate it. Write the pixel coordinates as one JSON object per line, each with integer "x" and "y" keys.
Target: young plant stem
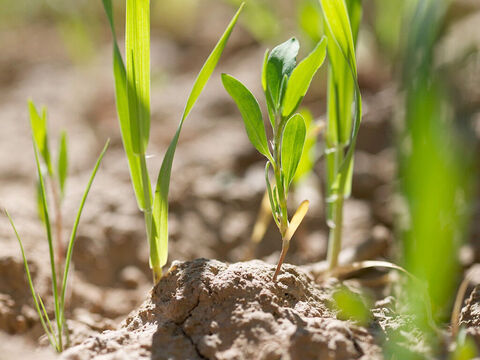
{"x": 58, "y": 223}
{"x": 148, "y": 214}
{"x": 282, "y": 200}
{"x": 335, "y": 234}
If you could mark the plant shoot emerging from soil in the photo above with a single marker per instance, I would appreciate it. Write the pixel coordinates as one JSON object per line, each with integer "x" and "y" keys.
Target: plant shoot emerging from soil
{"x": 58, "y": 336}
{"x": 132, "y": 89}
{"x": 341, "y": 23}
{"x": 284, "y": 84}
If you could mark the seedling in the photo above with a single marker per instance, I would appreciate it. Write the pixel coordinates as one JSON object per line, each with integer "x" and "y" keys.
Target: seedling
{"x": 58, "y": 336}
{"x": 341, "y": 23}
{"x": 284, "y": 84}
{"x": 55, "y": 181}
{"x": 132, "y": 90}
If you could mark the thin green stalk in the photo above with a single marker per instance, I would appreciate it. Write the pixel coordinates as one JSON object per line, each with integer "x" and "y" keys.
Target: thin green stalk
{"x": 335, "y": 234}
{"x": 74, "y": 234}
{"x": 50, "y": 248}
{"x": 51, "y": 337}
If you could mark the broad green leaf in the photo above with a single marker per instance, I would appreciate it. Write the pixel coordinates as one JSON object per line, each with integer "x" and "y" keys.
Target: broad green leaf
{"x": 292, "y": 146}
{"x": 280, "y": 63}
{"x": 62, "y": 164}
{"x": 160, "y": 204}
{"x": 251, "y": 113}
{"x": 120, "y": 76}
{"x": 309, "y": 154}
{"x": 137, "y": 50}
{"x": 301, "y": 78}
{"x": 40, "y": 133}
{"x": 73, "y": 235}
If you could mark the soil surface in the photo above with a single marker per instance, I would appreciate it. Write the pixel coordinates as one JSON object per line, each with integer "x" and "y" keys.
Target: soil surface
{"x": 206, "y": 309}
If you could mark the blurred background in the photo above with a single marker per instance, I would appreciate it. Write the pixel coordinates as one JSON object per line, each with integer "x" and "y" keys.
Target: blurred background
{"x": 415, "y": 197}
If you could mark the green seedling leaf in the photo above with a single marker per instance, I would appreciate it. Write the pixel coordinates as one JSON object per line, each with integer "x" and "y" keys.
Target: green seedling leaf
{"x": 137, "y": 50}
{"x": 292, "y": 146}
{"x": 48, "y": 229}
{"x": 351, "y": 306}
{"x": 120, "y": 76}
{"x": 40, "y": 212}
{"x": 271, "y": 195}
{"x": 62, "y": 164}
{"x": 50, "y": 335}
{"x": 160, "y": 205}
{"x": 280, "y": 63}
{"x": 301, "y": 78}
{"x": 71, "y": 242}
{"x": 337, "y": 19}
{"x": 297, "y": 219}
{"x": 40, "y": 133}
{"x": 251, "y": 113}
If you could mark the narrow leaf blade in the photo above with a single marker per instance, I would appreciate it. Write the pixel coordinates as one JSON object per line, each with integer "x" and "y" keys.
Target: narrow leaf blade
{"x": 62, "y": 164}
{"x": 137, "y": 50}
{"x": 160, "y": 203}
{"x": 292, "y": 146}
{"x": 251, "y": 113}
{"x": 120, "y": 77}
{"x": 38, "y": 125}
{"x": 302, "y": 76}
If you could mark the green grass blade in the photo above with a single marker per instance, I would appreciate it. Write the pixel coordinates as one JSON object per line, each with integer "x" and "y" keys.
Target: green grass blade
{"x": 302, "y": 76}
{"x": 71, "y": 242}
{"x": 62, "y": 163}
{"x": 42, "y": 305}
{"x": 280, "y": 63}
{"x": 251, "y": 113}
{"x": 50, "y": 244}
{"x": 137, "y": 50}
{"x": 160, "y": 207}
{"x": 120, "y": 76}
{"x": 337, "y": 19}
{"x": 30, "y": 282}
{"x": 293, "y": 140}
{"x": 40, "y": 133}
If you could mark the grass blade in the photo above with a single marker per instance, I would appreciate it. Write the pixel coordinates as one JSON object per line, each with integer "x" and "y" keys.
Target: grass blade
{"x": 160, "y": 207}
{"x": 40, "y": 135}
{"x": 75, "y": 226}
{"x": 293, "y": 141}
{"x": 251, "y": 113}
{"x": 120, "y": 77}
{"x": 302, "y": 76}
{"x": 30, "y": 282}
{"x": 137, "y": 50}
{"x": 48, "y": 320}
{"x": 50, "y": 244}
{"x": 62, "y": 163}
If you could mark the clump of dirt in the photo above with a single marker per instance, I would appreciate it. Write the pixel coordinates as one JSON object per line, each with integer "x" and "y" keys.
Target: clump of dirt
{"x": 470, "y": 315}
{"x": 206, "y": 309}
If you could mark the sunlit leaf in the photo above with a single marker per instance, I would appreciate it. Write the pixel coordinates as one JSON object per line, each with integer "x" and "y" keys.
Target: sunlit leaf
{"x": 280, "y": 63}
{"x": 137, "y": 52}
{"x": 120, "y": 77}
{"x": 62, "y": 164}
{"x": 40, "y": 133}
{"x": 292, "y": 146}
{"x": 160, "y": 205}
{"x": 302, "y": 76}
{"x": 251, "y": 113}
